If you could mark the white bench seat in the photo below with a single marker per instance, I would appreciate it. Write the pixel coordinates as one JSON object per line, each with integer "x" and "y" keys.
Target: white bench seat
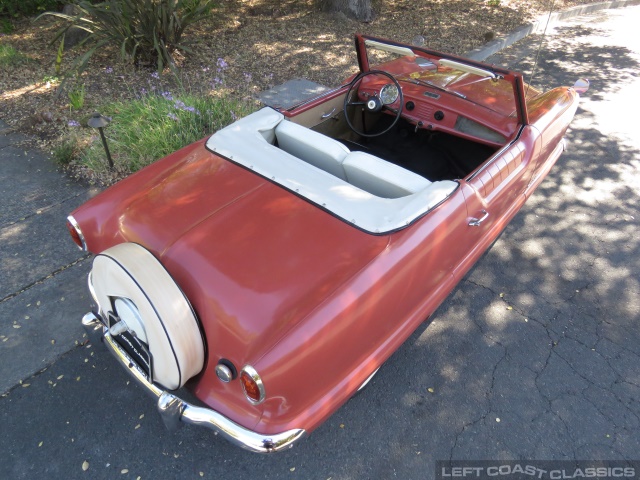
{"x": 374, "y": 195}
{"x": 319, "y": 150}
{"x": 381, "y": 178}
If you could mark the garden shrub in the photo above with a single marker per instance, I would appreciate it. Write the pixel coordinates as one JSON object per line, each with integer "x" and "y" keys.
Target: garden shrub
{"x": 145, "y": 31}
{"x": 27, "y": 8}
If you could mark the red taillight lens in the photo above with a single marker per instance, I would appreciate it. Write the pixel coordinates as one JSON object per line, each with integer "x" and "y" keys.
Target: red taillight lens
{"x": 252, "y": 385}
{"x": 76, "y": 234}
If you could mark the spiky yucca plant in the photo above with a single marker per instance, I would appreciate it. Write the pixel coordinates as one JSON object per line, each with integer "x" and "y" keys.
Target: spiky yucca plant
{"x": 146, "y": 31}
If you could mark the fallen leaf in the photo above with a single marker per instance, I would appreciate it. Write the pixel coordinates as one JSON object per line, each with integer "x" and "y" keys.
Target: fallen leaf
{"x": 509, "y": 307}
{"x": 40, "y": 444}
{"x": 202, "y": 474}
{"x": 137, "y": 427}
{"x": 430, "y": 390}
{"x": 53, "y": 342}
{"x": 141, "y": 416}
{"x": 85, "y": 466}
{"x": 15, "y": 325}
{"x": 292, "y": 469}
{"x": 60, "y": 377}
{"x": 502, "y": 295}
{"x": 124, "y": 470}
{"x": 25, "y": 385}
{"x": 342, "y": 425}
{"x": 497, "y": 420}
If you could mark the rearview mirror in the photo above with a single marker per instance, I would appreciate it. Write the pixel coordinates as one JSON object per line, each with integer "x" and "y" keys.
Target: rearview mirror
{"x": 581, "y": 85}
{"x": 418, "y": 41}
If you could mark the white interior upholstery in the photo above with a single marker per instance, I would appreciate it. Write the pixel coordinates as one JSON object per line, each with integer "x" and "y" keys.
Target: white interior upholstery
{"x": 382, "y": 178}
{"x": 359, "y": 200}
{"x": 319, "y": 150}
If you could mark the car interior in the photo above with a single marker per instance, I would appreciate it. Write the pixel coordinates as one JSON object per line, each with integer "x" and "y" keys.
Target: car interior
{"x": 368, "y": 191}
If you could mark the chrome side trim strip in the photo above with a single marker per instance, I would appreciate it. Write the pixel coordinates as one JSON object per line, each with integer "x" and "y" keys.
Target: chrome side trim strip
{"x": 174, "y": 410}
{"x": 366, "y": 382}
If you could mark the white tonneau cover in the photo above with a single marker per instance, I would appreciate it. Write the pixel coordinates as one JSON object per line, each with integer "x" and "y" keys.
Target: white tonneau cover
{"x": 251, "y": 140}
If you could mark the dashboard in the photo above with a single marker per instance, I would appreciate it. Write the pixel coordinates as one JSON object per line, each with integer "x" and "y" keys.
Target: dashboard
{"x": 431, "y": 109}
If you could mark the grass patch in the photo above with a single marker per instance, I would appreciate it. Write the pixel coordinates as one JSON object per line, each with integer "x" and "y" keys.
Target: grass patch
{"x": 9, "y": 56}
{"x": 68, "y": 150}
{"x": 153, "y": 126}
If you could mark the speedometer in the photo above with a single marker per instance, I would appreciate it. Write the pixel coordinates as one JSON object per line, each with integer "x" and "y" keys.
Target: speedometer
{"x": 389, "y": 94}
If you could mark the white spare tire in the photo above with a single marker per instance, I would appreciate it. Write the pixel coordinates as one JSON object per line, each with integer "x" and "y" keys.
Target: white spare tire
{"x": 129, "y": 278}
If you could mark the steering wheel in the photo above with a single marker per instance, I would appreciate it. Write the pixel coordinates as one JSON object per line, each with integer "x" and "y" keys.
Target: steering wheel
{"x": 373, "y": 104}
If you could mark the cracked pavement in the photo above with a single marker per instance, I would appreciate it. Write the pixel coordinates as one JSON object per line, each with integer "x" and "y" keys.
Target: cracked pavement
{"x": 535, "y": 355}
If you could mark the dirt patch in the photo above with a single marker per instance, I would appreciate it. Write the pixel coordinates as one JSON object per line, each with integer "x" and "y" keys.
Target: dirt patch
{"x": 265, "y": 43}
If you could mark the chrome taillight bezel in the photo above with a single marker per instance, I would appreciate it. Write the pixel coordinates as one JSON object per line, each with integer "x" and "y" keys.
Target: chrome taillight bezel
{"x": 72, "y": 221}
{"x": 249, "y": 370}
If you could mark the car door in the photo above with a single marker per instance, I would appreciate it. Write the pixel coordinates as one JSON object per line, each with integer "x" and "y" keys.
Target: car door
{"x": 495, "y": 192}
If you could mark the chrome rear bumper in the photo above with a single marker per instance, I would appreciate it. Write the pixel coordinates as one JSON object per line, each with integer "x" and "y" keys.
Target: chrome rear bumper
{"x": 174, "y": 410}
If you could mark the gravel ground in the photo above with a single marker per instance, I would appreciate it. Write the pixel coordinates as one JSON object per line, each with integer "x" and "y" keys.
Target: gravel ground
{"x": 265, "y": 43}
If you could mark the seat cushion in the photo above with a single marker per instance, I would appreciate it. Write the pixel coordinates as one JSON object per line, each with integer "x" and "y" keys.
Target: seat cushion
{"x": 381, "y": 178}
{"x": 319, "y": 150}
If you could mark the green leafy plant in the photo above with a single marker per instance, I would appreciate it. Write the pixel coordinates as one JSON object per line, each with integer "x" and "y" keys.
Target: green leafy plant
{"x": 25, "y": 8}
{"x": 6, "y": 26}
{"x": 76, "y": 97}
{"x": 50, "y": 78}
{"x": 59, "y": 57}
{"x": 494, "y": 3}
{"x": 145, "y": 31}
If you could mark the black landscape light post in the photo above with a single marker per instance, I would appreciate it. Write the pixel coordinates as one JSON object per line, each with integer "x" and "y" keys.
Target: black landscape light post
{"x": 100, "y": 121}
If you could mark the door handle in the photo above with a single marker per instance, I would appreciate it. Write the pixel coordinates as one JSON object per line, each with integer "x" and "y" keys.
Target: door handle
{"x": 475, "y": 222}
{"x": 327, "y": 115}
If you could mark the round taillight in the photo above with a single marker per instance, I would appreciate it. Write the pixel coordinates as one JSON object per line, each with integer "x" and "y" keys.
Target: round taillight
{"x": 252, "y": 385}
{"x": 76, "y": 233}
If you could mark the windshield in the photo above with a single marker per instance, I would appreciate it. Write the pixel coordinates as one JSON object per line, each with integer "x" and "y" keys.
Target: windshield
{"x": 474, "y": 84}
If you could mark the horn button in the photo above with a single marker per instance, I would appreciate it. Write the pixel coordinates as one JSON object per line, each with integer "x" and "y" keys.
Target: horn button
{"x": 374, "y": 104}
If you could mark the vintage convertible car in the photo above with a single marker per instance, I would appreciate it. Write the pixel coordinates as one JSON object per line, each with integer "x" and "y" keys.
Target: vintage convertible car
{"x": 268, "y": 271}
